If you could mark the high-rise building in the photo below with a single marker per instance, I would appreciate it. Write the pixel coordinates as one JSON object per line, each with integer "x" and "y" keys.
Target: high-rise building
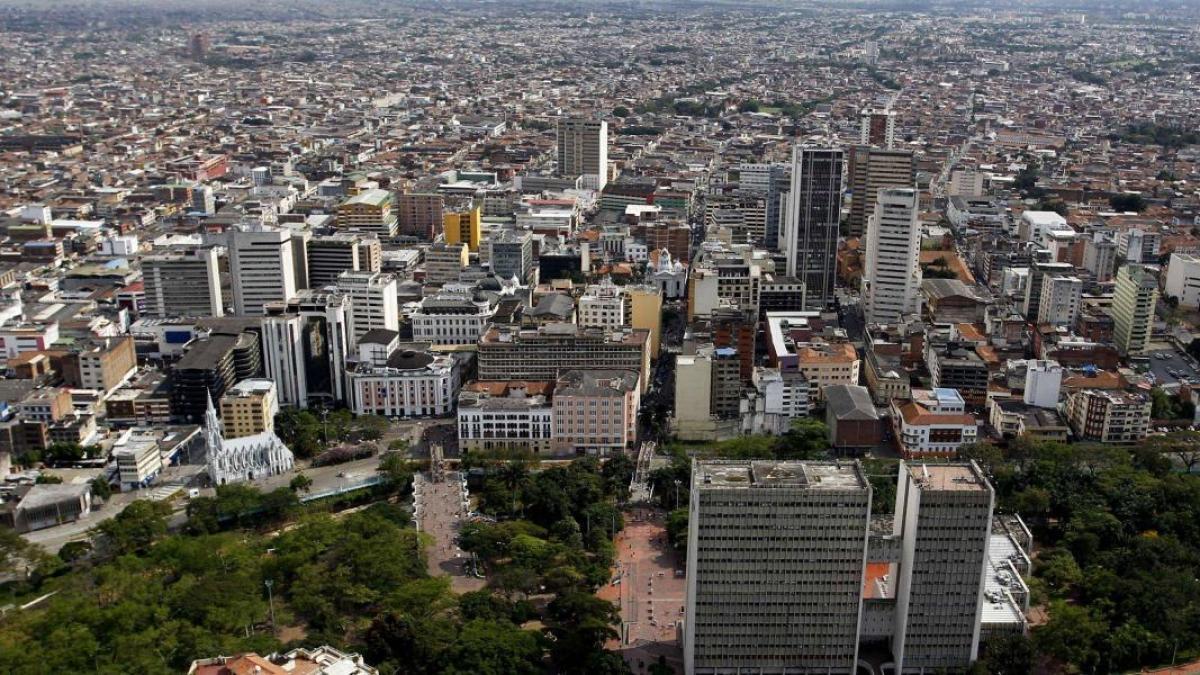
{"x": 305, "y": 344}
{"x": 444, "y": 263}
{"x": 373, "y": 301}
{"x": 329, "y": 256}
{"x": 1062, "y": 297}
{"x": 1100, "y": 255}
{"x": 199, "y": 45}
{"x": 814, "y": 208}
{"x": 870, "y": 170}
{"x": 1183, "y": 279}
{"x": 583, "y": 150}
{"x": 944, "y": 521}
{"x": 182, "y": 283}
{"x": 545, "y": 353}
{"x": 262, "y": 267}
{"x": 877, "y": 127}
{"x": 645, "y": 312}
{"x": 420, "y": 214}
{"x": 463, "y": 227}
{"x": 892, "y": 273}
{"x": 775, "y": 559}
{"x": 769, "y": 181}
{"x": 1134, "y": 299}
{"x": 1039, "y": 271}
{"x": 603, "y": 306}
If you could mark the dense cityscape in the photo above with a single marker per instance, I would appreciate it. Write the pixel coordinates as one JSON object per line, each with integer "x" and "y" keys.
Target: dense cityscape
{"x": 527, "y": 337}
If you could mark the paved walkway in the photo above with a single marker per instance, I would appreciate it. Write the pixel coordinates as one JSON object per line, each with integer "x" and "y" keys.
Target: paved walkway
{"x": 440, "y": 511}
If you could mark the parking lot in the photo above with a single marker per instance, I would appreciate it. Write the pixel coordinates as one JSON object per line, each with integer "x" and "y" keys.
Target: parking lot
{"x": 649, "y": 593}
{"x": 1170, "y": 366}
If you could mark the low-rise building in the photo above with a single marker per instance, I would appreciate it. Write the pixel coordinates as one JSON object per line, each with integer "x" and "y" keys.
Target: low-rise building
{"x": 139, "y": 460}
{"x": 596, "y": 411}
{"x": 414, "y": 383}
{"x": 1016, "y": 419}
{"x": 505, "y": 415}
{"x": 854, "y": 423}
{"x": 933, "y": 424}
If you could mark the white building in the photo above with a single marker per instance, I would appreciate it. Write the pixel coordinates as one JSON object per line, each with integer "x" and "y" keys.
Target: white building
{"x": 603, "y": 305}
{"x": 1035, "y": 224}
{"x": 500, "y": 415}
{"x": 138, "y": 460}
{"x": 453, "y": 318}
{"x": 373, "y": 301}
{"x": 1043, "y": 382}
{"x": 671, "y": 277}
{"x": 414, "y": 383}
{"x": 261, "y": 267}
{"x": 783, "y": 394}
{"x": 933, "y": 424}
{"x": 1139, "y": 246}
{"x": 1062, "y": 296}
{"x": 892, "y": 272}
{"x": 242, "y": 459}
{"x": 305, "y": 344}
{"x": 1183, "y": 279}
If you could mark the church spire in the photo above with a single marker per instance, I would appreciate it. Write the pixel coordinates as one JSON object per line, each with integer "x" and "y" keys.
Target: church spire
{"x": 212, "y": 426}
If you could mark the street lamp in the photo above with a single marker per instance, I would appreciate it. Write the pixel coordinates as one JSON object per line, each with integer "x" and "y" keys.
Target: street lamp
{"x": 271, "y": 602}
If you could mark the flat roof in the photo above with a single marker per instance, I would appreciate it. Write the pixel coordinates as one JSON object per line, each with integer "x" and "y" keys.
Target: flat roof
{"x": 771, "y": 474}
{"x": 947, "y": 477}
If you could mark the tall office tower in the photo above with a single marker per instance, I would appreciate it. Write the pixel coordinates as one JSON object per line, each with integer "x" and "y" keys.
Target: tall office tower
{"x": 814, "y": 208}
{"x": 869, "y": 171}
{"x": 877, "y": 127}
{"x": 776, "y": 554}
{"x": 944, "y": 520}
{"x": 464, "y": 227}
{"x": 182, "y": 283}
{"x": 769, "y": 181}
{"x": 1134, "y": 299}
{"x": 262, "y": 266}
{"x": 892, "y": 274}
{"x": 1062, "y": 297}
{"x": 512, "y": 255}
{"x": 583, "y": 150}
{"x": 305, "y": 344}
{"x": 1039, "y": 271}
{"x": 373, "y": 302}
{"x": 420, "y": 214}
{"x": 331, "y": 255}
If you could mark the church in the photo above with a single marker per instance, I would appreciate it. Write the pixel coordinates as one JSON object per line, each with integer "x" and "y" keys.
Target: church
{"x": 242, "y": 459}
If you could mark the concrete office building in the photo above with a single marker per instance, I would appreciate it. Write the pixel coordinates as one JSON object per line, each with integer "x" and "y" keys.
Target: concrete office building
{"x": 543, "y": 354}
{"x": 305, "y": 344}
{"x": 1043, "y": 382}
{"x": 603, "y": 306}
{"x": 331, "y": 255}
{"x": 775, "y": 557}
{"x": 262, "y": 267}
{"x": 877, "y": 127}
{"x": 892, "y": 273}
{"x": 1133, "y": 305}
{"x": 1100, "y": 255}
{"x": 373, "y": 301}
{"x": 870, "y": 170}
{"x": 944, "y": 520}
{"x": 1062, "y": 297}
{"x": 444, "y": 263}
{"x": 1183, "y": 279}
{"x": 512, "y": 256}
{"x": 583, "y": 150}
{"x": 814, "y": 208}
{"x": 1139, "y": 246}
{"x": 1038, "y": 273}
{"x": 183, "y": 283}
{"x": 769, "y": 181}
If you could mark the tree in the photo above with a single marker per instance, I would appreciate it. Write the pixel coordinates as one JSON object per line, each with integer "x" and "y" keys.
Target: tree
{"x": 581, "y": 623}
{"x": 18, "y": 556}
{"x": 677, "y": 529}
{"x": 1127, "y": 201}
{"x": 749, "y": 106}
{"x": 300, "y": 483}
{"x": 1010, "y": 654}
{"x": 1071, "y": 635}
{"x": 74, "y": 550}
{"x": 808, "y": 438}
{"x": 1060, "y": 571}
{"x": 137, "y": 526}
{"x": 494, "y": 648}
{"x": 101, "y": 488}
{"x": 621, "y": 112}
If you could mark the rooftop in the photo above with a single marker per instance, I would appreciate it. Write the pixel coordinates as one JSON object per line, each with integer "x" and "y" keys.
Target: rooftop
{"x": 948, "y": 477}
{"x": 778, "y": 474}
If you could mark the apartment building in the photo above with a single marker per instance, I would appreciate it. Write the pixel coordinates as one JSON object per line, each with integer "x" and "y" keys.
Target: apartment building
{"x": 330, "y": 255}
{"x": 373, "y": 301}
{"x": 603, "y": 306}
{"x": 892, "y": 274}
{"x": 444, "y": 263}
{"x": 824, "y": 363}
{"x": 1134, "y": 300}
{"x": 544, "y": 353}
{"x": 249, "y": 408}
{"x": 1062, "y": 297}
{"x": 101, "y": 364}
{"x": 1108, "y": 416}
{"x": 872, "y": 169}
{"x": 419, "y": 214}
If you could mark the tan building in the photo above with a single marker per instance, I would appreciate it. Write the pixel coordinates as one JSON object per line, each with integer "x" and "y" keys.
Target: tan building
{"x": 464, "y": 227}
{"x": 369, "y": 210}
{"x": 823, "y": 364}
{"x": 645, "y": 303}
{"x": 553, "y": 349}
{"x": 1108, "y": 416}
{"x": 420, "y": 214}
{"x": 102, "y": 365}
{"x": 444, "y": 263}
{"x": 595, "y": 411}
{"x": 249, "y": 408}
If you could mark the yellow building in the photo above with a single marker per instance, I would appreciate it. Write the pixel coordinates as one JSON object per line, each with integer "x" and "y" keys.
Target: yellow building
{"x": 463, "y": 227}
{"x": 646, "y": 313}
{"x": 249, "y": 408}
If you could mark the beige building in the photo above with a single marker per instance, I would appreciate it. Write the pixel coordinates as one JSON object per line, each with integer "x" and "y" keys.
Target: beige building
{"x": 368, "y": 210}
{"x": 249, "y": 408}
{"x": 823, "y": 364}
{"x": 646, "y": 313}
{"x": 444, "y": 263}
{"x": 553, "y": 349}
{"x": 1108, "y": 416}
{"x": 595, "y": 411}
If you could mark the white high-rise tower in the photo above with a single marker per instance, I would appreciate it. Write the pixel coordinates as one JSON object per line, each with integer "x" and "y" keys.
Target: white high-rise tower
{"x": 892, "y": 273}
